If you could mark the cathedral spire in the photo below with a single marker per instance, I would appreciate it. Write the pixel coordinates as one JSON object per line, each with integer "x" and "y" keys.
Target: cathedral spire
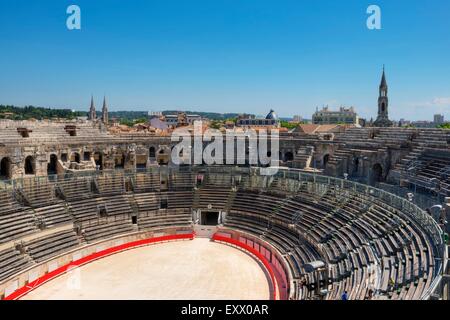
{"x": 92, "y": 113}
{"x": 105, "y": 112}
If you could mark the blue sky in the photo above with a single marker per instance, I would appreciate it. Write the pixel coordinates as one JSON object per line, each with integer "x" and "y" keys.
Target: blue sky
{"x": 227, "y": 55}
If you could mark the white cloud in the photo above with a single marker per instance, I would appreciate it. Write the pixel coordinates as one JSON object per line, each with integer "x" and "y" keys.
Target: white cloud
{"x": 441, "y": 102}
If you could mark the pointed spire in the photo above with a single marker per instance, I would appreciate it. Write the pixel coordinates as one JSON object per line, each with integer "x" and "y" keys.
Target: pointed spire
{"x": 105, "y": 118}
{"x": 383, "y": 79}
{"x": 92, "y": 113}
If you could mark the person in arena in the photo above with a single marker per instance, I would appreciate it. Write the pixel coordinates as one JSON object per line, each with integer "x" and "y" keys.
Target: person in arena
{"x": 344, "y": 296}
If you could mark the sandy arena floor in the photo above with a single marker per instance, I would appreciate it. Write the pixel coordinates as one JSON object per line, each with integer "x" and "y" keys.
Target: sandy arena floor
{"x": 197, "y": 269}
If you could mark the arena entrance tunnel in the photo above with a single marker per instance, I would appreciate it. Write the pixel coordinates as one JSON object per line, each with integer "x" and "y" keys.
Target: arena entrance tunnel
{"x": 209, "y": 218}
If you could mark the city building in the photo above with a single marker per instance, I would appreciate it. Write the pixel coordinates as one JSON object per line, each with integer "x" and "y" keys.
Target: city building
{"x": 271, "y": 120}
{"x": 438, "y": 118}
{"x": 181, "y": 119}
{"x": 341, "y": 116}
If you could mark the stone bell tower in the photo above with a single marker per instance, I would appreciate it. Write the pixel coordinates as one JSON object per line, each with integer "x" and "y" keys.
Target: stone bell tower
{"x": 383, "y": 105}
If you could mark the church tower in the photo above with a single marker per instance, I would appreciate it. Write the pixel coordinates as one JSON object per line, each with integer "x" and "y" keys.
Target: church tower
{"x": 92, "y": 113}
{"x": 105, "y": 118}
{"x": 383, "y": 104}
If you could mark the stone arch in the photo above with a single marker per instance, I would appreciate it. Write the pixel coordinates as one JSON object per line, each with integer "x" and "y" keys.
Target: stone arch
{"x": 75, "y": 157}
{"x": 152, "y": 152}
{"x": 5, "y": 169}
{"x": 30, "y": 165}
{"x": 325, "y": 160}
{"x": 288, "y": 156}
{"x": 377, "y": 173}
{"x": 98, "y": 158}
{"x": 119, "y": 160}
{"x": 52, "y": 165}
{"x": 355, "y": 165}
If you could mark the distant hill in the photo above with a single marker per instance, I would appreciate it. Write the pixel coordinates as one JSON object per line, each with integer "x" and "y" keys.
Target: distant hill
{"x": 132, "y": 115}
{"x": 39, "y": 113}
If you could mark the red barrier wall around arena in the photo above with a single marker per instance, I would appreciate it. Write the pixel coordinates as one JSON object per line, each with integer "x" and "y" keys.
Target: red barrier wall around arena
{"x": 246, "y": 247}
{"x": 94, "y": 256}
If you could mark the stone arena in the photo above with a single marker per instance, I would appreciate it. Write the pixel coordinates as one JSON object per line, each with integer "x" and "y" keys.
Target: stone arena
{"x": 347, "y": 209}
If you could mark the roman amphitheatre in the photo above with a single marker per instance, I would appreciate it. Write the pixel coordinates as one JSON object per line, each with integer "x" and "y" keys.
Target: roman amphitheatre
{"x": 109, "y": 208}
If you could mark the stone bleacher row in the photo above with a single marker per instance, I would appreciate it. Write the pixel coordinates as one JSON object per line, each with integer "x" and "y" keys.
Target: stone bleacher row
{"x": 356, "y": 241}
{"x": 430, "y": 164}
{"x": 19, "y": 220}
{"x": 417, "y": 140}
{"x": 366, "y": 243}
{"x": 47, "y": 131}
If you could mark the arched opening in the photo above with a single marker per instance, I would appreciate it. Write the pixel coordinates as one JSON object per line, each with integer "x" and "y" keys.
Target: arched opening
{"x": 325, "y": 160}
{"x": 163, "y": 156}
{"x": 355, "y": 165}
{"x": 51, "y": 166}
{"x": 288, "y": 156}
{"x": 98, "y": 158}
{"x": 5, "y": 169}
{"x": 152, "y": 152}
{"x": 30, "y": 165}
{"x": 377, "y": 173}
{"x": 383, "y": 107}
{"x": 119, "y": 161}
{"x": 75, "y": 157}
{"x": 86, "y": 156}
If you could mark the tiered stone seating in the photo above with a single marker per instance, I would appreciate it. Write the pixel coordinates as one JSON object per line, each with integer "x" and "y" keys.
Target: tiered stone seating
{"x": 356, "y": 234}
{"x": 50, "y": 131}
{"x": 17, "y": 224}
{"x": 217, "y": 197}
{"x": 85, "y": 209}
{"x": 7, "y": 202}
{"x": 118, "y": 205}
{"x": 53, "y": 215}
{"x": 49, "y": 246}
{"x": 104, "y": 230}
{"x": 360, "y": 237}
{"x": 38, "y": 193}
{"x": 12, "y": 262}
{"x": 165, "y": 218}
{"x": 181, "y": 181}
{"x": 111, "y": 183}
{"x": 255, "y": 203}
{"x": 147, "y": 202}
{"x": 178, "y": 199}
{"x": 400, "y": 136}
{"x": 76, "y": 188}
{"x": 146, "y": 182}
{"x": 215, "y": 191}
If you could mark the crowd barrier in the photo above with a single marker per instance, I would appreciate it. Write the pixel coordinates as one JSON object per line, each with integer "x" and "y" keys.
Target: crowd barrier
{"x": 260, "y": 257}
